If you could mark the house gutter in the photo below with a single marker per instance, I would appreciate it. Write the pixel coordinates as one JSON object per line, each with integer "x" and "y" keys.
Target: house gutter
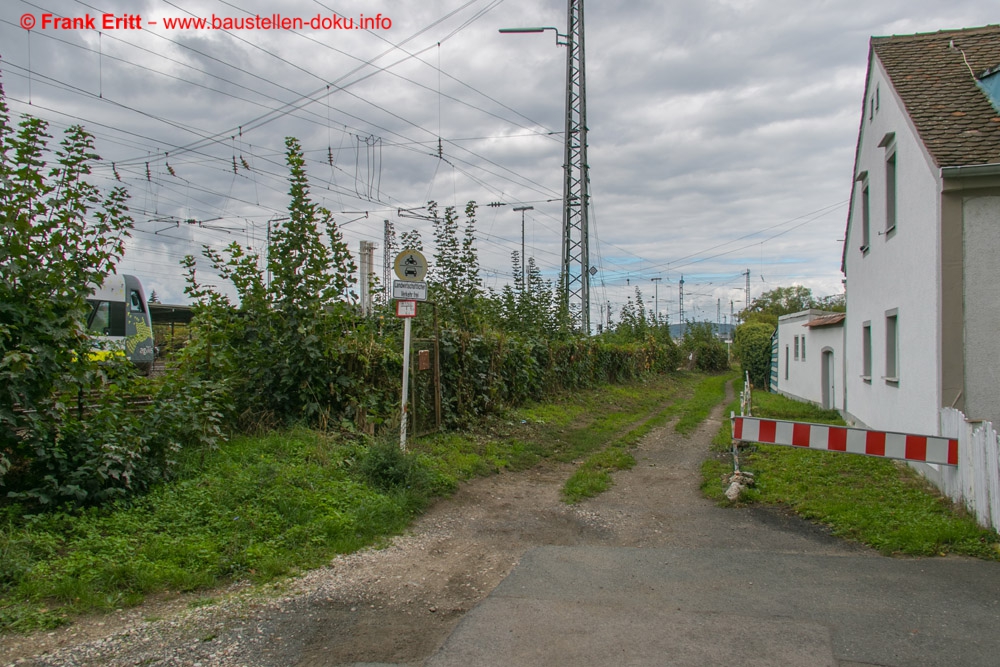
{"x": 971, "y": 171}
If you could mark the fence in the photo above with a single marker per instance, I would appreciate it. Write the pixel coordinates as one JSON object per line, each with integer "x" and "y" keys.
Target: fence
{"x": 975, "y": 481}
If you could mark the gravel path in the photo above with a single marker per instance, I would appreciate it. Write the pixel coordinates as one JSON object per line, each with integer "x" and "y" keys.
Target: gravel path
{"x": 397, "y": 605}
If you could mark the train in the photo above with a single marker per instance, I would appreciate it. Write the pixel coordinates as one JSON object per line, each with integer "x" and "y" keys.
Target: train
{"x": 119, "y": 321}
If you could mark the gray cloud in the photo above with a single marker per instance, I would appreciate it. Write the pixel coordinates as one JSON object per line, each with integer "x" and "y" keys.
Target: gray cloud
{"x": 714, "y": 127}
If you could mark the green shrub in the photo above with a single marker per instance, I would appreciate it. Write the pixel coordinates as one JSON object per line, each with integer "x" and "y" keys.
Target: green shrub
{"x": 710, "y": 354}
{"x": 752, "y": 346}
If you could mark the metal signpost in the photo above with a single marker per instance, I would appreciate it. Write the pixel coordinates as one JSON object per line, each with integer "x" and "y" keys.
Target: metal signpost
{"x": 411, "y": 268}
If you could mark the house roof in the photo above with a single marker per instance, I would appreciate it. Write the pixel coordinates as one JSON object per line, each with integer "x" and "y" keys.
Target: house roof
{"x": 826, "y": 320}
{"x": 935, "y": 75}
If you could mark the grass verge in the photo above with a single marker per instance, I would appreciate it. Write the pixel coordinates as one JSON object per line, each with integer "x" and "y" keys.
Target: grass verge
{"x": 879, "y": 502}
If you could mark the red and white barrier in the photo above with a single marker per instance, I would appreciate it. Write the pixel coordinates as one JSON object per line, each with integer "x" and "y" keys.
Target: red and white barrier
{"x": 904, "y": 446}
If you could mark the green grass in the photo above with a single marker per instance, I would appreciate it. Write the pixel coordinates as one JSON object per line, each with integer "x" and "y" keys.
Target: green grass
{"x": 710, "y": 392}
{"x": 256, "y": 509}
{"x": 260, "y": 508}
{"x": 878, "y": 502}
{"x": 594, "y": 475}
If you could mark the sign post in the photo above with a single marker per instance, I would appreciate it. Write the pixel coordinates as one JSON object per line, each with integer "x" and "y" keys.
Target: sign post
{"x": 411, "y": 268}
{"x": 406, "y": 310}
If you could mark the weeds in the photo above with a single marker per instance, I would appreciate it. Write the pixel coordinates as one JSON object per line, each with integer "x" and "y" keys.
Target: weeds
{"x": 879, "y": 502}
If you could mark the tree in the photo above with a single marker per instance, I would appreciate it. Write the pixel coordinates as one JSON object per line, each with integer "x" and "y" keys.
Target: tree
{"x": 783, "y": 300}
{"x": 60, "y": 236}
{"x": 454, "y": 276}
{"x": 836, "y": 303}
{"x": 281, "y": 349}
{"x": 709, "y": 352}
{"x": 752, "y": 346}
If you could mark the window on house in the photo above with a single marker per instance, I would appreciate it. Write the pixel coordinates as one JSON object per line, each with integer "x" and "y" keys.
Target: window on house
{"x": 891, "y": 347}
{"x": 866, "y": 351}
{"x": 796, "y": 348}
{"x": 890, "y": 193}
{"x": 786, "y": 362}
{"x": 803, "y": 350}
{"x": 865, "y": 218}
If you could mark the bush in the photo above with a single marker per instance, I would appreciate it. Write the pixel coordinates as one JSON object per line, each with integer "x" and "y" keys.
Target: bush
{"x": 752, "y": 346}
{"x": 710, "y": 354}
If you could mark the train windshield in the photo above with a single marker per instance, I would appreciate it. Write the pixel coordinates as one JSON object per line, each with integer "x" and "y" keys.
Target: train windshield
{"x": 107, "y": 318}
{"x": 135, "y": 302}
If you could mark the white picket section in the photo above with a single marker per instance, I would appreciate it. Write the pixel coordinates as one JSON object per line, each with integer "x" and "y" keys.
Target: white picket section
{"x": 976, "y": 482}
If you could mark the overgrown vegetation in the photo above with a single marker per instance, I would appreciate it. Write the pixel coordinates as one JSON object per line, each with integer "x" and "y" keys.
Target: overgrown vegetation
{"x": 878, "y": 502}
{"x": 752, "y": 347}
{"x": 704, "y": 348}
{"x": 70, "y": 430}
{"x": 263, "y": 506}
{"x": 258, "y": 508}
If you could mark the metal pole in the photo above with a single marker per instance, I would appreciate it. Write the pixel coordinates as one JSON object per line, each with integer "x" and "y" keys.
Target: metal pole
{"x": 656, "y": 300}
{"x": 406, "y": 381}
{"x": 575, "y": 255}
{"x": 524, "y": 260}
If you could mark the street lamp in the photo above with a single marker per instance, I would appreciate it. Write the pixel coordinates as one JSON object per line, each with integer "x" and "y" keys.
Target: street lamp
{"x": 524, "y": 260}
{"x": 656, "y": 300}
{"x": 559, "y": 36}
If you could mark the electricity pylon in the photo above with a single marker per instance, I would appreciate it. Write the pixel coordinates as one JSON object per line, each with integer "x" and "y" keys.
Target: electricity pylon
{"x": 576, "y": 172}
{"x": 576, "y": 269}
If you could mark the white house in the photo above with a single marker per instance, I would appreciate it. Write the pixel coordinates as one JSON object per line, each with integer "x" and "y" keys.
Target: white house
{"x": 810, "y": 351}
{"x": 922, "y": 250}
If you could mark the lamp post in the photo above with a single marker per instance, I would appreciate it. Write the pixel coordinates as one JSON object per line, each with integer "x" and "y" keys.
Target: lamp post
{"x": 524, "y": 260}
{"x": 656, "y": 300}
{"x": 576, "y": 269}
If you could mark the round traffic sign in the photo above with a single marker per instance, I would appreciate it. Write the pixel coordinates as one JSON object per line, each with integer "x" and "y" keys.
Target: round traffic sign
{"x": 411, "y": 266}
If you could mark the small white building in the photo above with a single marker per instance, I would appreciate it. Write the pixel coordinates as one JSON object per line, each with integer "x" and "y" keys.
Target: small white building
{"x": 810, "y": 350}
{"x": 922, "y": 250}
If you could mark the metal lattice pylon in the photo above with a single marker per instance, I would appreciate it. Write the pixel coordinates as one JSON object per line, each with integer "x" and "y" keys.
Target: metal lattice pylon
{"x": 576, "y": 179}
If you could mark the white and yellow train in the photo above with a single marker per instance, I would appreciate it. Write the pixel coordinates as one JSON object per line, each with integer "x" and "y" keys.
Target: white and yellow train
{"x": 119, "y": 321}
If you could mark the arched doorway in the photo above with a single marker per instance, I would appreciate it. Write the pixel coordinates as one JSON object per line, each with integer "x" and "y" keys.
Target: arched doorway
{"x": 827, "y": 377}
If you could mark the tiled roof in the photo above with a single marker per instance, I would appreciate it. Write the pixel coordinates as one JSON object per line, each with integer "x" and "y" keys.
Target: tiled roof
{"x": 826, "y": 320}
{"x": 934, "y": 74}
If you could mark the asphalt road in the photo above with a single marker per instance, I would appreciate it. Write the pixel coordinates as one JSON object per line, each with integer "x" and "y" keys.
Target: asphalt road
{"x": 714, "y": 586}
{"x": 661, "y": 606}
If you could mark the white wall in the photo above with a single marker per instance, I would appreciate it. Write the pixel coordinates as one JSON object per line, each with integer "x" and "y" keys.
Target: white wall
{"x": 981, "y": 228}
{"x": 805, "y": 375}
{"x": 900, "y": 271}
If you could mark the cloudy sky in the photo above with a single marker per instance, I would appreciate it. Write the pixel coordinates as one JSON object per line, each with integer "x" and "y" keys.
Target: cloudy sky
{"x": 722, "y": 132}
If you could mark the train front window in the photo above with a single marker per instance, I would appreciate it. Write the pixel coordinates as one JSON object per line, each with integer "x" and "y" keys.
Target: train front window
{"x": 135, "y": 302}
{"x": 100, "y": 318}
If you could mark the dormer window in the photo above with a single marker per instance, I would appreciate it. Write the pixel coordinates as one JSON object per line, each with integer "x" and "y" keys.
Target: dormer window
{"x": 989, "y": 83}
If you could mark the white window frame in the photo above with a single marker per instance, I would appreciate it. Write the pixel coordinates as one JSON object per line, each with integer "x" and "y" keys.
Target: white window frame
{"x": 866, "y": 218}
{"x": 892, "y": 347}
{"x": 891, "y": 184}
{"x": 866, "y": 351}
